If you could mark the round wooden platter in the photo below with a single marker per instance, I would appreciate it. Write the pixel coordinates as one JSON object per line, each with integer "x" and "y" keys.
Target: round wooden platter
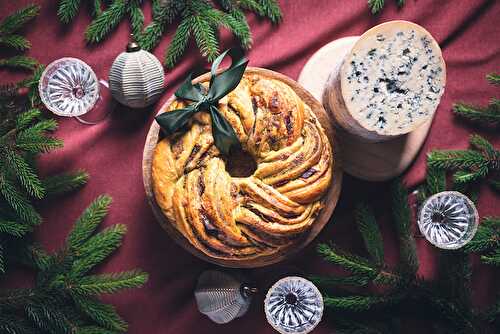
{"x": 365, "y": 160}
{"x": 329, "y": 199}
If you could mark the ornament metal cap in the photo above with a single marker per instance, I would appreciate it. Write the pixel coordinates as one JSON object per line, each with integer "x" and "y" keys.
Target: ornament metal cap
{"x": 133, "y": 46}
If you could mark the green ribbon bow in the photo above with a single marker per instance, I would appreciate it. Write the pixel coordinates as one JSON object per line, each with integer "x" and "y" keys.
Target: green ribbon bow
{"x": 220, "y": 85}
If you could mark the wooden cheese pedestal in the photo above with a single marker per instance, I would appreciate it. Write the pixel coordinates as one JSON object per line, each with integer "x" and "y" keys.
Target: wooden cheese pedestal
{"x": 371, "y": 161}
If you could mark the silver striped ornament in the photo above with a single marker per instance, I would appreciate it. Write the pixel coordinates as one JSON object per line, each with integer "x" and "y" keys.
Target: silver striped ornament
{"x": 222, "y": 297}
{"x": 136, "y": 78}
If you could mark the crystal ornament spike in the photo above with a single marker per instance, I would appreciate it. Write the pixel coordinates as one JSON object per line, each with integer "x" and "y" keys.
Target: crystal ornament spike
{"x": 293, "y": 305}
{"x": 68, "y": 87}
{"x": 222, "y": 297}
{"x": 448, "y": 220}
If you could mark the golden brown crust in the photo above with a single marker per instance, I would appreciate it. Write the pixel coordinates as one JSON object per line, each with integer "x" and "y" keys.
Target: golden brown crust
{"x": 260, "y": 215}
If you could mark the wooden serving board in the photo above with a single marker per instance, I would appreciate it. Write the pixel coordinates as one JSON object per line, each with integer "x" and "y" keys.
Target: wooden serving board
{"x": 330, "y": 198}
{"x": 365, "y": 160}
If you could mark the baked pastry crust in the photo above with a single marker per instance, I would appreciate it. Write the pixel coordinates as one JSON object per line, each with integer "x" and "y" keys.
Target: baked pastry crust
{"x": 229, "y": 217}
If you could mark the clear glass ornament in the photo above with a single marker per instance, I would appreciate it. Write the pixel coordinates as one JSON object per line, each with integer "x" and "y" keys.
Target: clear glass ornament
{"x": 69, "y": 87}
{"x": 448, "y": 220}
{"x": 293, "y": 305}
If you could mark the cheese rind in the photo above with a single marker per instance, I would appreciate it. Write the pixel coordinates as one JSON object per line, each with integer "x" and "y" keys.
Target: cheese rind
{"x": 390, "y": 83}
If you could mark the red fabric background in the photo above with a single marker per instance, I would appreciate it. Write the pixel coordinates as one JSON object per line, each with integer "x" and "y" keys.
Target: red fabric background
{"x": 111, "y": 152}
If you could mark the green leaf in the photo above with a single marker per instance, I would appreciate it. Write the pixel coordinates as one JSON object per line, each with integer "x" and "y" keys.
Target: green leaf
{"x": 370, "y": 232}
{"x": 109, "y": 283}
{"x": 18, "y": 19}
{"x": 103, "y": 314}
{"x": 88, "y": 222}
{"x": 67, "y": 10}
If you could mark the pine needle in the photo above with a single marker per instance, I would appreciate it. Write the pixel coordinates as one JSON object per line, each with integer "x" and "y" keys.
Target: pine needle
{"x": 106, "y": 22}
{"x": 67, "y": 10}
{"x": 402, "y": 223}
{"x": 103, "y": 314}
{"x": 88, "y": 222}
{"x": 18, "y": 19}
{"x": 178, "y": 43}
{"x": 109, "y": 283}
{"x": 16, "y": 42}
{"x": 376, "y": 5}
{"x": 19, "y": 62}
{"x": 64, "y": 183}
{"x": 370, "y": 232}
{"x": 25, "y": 173}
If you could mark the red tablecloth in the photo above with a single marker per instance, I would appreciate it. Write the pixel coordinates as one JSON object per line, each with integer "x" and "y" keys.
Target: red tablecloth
{"x": 111, "y": 152}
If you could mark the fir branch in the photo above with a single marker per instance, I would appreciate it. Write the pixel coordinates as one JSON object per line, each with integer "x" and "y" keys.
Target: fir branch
{"x": 359, "y": 303}
{"x": 97, "y": 248}
{"x": 205, "y": 37}
{"x": 16, "y": 42}
{"x": 96, "y": 8}
{"x": 64, "y": 183}
{"x": 376, "y": 5}
{"x": 354, "y": 264}
{"x": 492, "y": 258}
{"x": 271, "y": 9}
{"x": 179, "y": 42}
{"x": 330, "y": 281}
{"x": 88, "y": 222}
{"x": 109, "y": 283}
{"x": 103, "y": 314}
{"x": 18, "y": 202}
{"x": 370, "y": 232}
{"x": 136, "y": 17}
{"x": 493, "y": 78}
{"x": 489, "y": 115}
{"x": 106, "y": 22}
{"x": 18, "y": 19}
{"x": 13, "y": 228}
{"x": 67, "y": 10}
{"x": 25, "y": 173}
{"x": 487, "y": 236}
{"x": 402, "y": 222}
{"x": 435, "y": 180}
{"x": 19, "y": 62}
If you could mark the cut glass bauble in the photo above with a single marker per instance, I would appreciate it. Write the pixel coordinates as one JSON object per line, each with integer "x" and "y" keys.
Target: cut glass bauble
{"x": 448, "y": 220}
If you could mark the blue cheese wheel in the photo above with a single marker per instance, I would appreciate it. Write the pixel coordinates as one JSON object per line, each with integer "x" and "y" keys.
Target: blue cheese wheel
{"x": 390, "y": 83}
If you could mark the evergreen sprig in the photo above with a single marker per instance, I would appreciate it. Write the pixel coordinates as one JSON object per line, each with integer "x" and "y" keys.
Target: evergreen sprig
{"x": 488, "y": 115}
{"x": 64, "y": 297}
{"x": 198, "y": 19}
{"x": 480, "y": 162}
{"x": 376, "y": 6}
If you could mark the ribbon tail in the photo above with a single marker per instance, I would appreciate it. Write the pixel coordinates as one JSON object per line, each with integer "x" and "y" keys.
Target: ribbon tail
{"x": 224, "y": 136}
{"x": 225, "y": 82}
{"x": 172, "y": 121}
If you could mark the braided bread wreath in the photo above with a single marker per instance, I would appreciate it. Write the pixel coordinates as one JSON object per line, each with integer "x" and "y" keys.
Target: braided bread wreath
{"x": 256, "y": 220}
